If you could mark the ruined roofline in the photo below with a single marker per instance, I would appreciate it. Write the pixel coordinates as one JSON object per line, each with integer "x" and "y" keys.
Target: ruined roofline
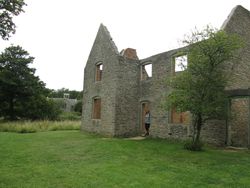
{"x": 229, "y": 18}
{"x": 105, "y": 30}
{"x": 237, "y": 8}
{"x": 173, "y": 51}
{"x": 224, "y": 25}
{"x": 167, "y": 53}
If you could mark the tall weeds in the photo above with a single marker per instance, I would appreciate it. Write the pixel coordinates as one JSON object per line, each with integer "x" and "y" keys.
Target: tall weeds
{"x": 38, "y": 126}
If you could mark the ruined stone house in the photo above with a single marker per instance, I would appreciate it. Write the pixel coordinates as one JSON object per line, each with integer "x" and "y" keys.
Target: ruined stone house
{"x": 120, "y": 87}
{"x": 65, "y": 104}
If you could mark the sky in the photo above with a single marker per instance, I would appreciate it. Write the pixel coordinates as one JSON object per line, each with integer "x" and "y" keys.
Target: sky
{"x": 60, "y": 33}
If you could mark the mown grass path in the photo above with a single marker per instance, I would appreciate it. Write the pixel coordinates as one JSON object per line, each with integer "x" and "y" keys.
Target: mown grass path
{"x": 72, "y": 159}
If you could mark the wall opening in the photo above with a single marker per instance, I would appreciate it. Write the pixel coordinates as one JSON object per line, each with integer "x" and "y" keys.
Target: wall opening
{"x": 98, "y": 73}
{"x": 146, "y": 71}
{"x": 180, "y": 63}
{"x": 96, "y": 113}
{"x": 180, "y": 117}
{"x": 145, "y": 106}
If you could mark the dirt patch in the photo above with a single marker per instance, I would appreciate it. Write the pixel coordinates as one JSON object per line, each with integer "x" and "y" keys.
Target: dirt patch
{"x": 136, "y": 138}
{"x": 234, "y": 149}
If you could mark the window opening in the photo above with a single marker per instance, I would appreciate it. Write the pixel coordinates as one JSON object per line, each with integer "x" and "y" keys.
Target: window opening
{"x": 99, "y": 70}
{"x": 181, "y": 63}
{"x": 145, "y": 106}
{"x": 146, "y": 71}
{"x": 96, "y": 108}
{"x": 180, "y": 117}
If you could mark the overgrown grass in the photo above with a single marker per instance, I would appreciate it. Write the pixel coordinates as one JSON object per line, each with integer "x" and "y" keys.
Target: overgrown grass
{"x": 38, "y": 126}
{"x": 70, "y": 159}
{"x": 72, "y": 116}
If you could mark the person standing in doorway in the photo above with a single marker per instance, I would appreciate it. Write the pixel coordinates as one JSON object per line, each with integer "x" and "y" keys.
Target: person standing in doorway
{"x": 147, "y": 122}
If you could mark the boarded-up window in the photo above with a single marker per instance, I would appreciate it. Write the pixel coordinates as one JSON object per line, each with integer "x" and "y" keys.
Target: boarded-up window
{"x": 98, "y": 74}
{"x": 146, "y": 71}
{"x": 180, "y": 117}
{"x": 181, "y": 63}
{"x": 96, "y": 108}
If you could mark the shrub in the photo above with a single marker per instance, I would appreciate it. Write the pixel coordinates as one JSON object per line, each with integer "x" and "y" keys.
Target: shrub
{"x": 41, "y": 109}
{"x": 72, "y": 116}
{"x": 78, "y": 106}
{"x": 190, "y": 145}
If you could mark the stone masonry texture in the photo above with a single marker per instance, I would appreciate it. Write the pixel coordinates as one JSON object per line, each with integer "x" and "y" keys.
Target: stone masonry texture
{"x": 123, "y": 92}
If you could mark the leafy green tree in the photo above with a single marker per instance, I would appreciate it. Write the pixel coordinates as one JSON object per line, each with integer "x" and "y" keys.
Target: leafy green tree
{"x": 22, "y": 94}
{"x": 78, "y": 106}
{"x": 8, "y": 9}
{"x": 58, "y": 93}
{"x": 41, "y": 107}
{"x": 76, "y": 94}
{"x": 200, "y": 88}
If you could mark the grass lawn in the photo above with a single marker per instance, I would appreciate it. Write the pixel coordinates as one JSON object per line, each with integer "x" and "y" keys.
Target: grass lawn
{"x": 72, "y": 159}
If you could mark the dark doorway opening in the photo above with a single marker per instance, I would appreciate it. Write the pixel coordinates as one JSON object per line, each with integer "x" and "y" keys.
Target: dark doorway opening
{"x": 145, "y": 106}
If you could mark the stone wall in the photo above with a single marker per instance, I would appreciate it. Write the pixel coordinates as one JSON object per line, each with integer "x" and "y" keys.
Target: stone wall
{"x": 215, "y": 132}
{"x": 238, "y": 23}
{"x": 66, "y": 104}
{"x": 126, "y": 111}
{"x": 239, "y": 122}
{"x": 103, "y": 51}
{"x": 123, "y": 92}
{"x": 155, "y": 90}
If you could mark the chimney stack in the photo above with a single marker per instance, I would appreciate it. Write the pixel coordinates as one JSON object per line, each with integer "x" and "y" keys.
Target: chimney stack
{"x": 129, "y": 53}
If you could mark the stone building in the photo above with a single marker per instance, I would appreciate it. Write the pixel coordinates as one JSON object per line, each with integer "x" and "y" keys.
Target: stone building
{"x": 66, "y": 104}
{"x": 120, "y": 87}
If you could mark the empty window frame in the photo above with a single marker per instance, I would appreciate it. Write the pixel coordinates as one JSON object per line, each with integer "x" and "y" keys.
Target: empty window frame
{"x": 98, "y": 73}
{"x": 146, "y": 71}
{"x": 180, "y": 63}
{"x": 96, "y": 113}
{"x": 180, "y": 117}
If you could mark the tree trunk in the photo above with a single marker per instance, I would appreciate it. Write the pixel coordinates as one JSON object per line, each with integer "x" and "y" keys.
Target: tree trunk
{"x": 198, "y": 129}
{"x": 194, "y": 123}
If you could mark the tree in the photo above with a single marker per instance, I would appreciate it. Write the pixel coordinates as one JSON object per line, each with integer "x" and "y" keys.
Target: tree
{"x": 21, "y": 92}
{"x": 78, "y": 107}
{"x": 200, "y": 88}
{"x": 8, "y": 9}
{"x": 41, "y": 107}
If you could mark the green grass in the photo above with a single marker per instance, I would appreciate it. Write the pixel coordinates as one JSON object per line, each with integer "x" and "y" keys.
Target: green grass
{"x": 74, "y": 160}
{"x": 38, "y": 126}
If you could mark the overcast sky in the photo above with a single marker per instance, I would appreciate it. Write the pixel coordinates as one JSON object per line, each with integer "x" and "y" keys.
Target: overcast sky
{"x": 60, "y": 33}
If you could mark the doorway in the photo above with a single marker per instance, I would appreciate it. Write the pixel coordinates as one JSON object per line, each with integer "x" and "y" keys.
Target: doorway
{"x": 145, "y": 106}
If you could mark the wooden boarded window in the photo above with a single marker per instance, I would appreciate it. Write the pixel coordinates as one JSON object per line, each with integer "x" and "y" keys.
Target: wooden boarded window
{"x": 96, "y": 108}
{"x": 180, "y": 117}
{"x": 99, "y": 70}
